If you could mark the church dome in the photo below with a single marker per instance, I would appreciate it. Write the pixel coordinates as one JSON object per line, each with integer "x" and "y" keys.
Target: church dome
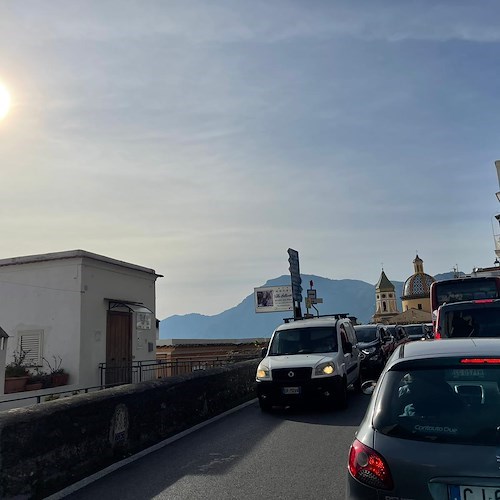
{"x": 419, "y": 283}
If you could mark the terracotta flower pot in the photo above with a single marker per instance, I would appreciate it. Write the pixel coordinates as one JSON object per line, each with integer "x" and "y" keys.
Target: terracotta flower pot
{"x": 15, "y": 384}
{"x": 34, "y": 386}
{"x": 59, "y": 379}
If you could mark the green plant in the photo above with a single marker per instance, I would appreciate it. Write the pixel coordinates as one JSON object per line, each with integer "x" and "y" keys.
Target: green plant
{"x": 55, "y": 368}
{"x": 17, "y": 368}
{"x": 37, "y": 376}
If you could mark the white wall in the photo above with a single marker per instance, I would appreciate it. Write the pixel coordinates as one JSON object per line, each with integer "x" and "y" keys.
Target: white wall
{"x": 64, "y": 297}
{"x": 43, "y": 296}
{"x": 103, "y": 280}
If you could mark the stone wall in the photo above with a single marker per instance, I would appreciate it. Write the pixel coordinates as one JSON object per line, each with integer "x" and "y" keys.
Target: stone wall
{"x": 49, "y": 446}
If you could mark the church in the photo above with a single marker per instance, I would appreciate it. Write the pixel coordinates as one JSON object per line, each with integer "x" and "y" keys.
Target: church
{"x": 415, "y": 298}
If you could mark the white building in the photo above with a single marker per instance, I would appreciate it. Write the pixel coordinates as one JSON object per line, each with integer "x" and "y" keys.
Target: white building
{"x": 81, "y": 307}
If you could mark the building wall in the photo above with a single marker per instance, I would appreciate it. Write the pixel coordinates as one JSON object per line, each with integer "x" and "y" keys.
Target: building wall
{"x": 44, "y": 296}
{"x": 102, "y": 281}
{"x": 65, "y": 299}
{"x": 414, "y": 304}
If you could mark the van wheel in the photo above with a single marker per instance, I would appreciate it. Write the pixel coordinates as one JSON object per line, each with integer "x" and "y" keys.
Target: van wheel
{"x": 265, "y": 405}
{"x": 342, "y": 396}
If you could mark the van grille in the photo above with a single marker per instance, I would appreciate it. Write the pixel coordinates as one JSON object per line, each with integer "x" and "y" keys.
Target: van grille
{"x": 299, "y": 374}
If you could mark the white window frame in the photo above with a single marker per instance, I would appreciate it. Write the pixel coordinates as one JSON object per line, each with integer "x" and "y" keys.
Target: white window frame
{"x": 31, "y": 341}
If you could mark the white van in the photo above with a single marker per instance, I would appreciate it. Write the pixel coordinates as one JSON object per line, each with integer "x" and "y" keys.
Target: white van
{"x": 310, "y": 359}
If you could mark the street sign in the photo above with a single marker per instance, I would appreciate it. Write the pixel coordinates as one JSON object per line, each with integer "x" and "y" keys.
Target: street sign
{"x": 293, "y": 260}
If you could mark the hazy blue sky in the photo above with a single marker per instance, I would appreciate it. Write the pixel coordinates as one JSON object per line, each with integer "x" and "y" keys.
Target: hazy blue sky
{"x": 205, "y": 138}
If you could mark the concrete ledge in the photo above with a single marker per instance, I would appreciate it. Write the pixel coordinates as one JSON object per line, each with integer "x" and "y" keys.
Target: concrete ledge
{"x": 49, "y": 446}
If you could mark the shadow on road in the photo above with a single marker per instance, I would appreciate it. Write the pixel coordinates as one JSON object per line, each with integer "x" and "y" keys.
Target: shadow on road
{"x": 351, "y": 416}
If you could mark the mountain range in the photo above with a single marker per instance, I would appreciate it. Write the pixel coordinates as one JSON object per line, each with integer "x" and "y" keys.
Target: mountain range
{"x": 339, "y": 296}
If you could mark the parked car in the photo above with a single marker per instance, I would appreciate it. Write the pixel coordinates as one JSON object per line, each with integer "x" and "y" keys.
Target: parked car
{"x": 431, "y": 428}
{"x": 399, "y": 335}
{"x": 375, "y": 343}
{"x": 416, "y": 331}
{"x": 473, "y": 318}
{"x": 311, "y": 360}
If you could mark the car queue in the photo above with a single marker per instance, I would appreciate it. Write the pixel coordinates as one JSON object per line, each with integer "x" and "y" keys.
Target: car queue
{"x": 432, "y": 427}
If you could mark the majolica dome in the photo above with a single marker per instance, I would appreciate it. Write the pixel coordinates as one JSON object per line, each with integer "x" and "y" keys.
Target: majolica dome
{"x": 418, "y": 284}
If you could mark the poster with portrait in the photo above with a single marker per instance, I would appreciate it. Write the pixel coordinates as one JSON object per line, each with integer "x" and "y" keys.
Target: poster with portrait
{"x": 273, "y": 299}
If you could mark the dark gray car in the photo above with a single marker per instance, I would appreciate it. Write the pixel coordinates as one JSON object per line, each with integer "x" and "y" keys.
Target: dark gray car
{"x": 432, "y": 428}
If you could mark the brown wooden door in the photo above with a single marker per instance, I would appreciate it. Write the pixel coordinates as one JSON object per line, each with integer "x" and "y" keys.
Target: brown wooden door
{"x": 119, "y": 348}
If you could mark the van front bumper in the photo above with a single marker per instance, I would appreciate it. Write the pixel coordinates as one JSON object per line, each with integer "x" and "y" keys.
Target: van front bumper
{"x": 320, "y": 389}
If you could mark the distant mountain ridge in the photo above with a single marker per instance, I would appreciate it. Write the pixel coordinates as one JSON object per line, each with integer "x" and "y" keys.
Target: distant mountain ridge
{"x": 339, "y": 296}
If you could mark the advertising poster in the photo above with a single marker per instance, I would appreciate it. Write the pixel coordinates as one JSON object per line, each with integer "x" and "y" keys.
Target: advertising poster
{"x": 273, "y": 299}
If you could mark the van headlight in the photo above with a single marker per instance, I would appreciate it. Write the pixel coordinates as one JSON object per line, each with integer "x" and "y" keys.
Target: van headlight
{"x": 263, "y": 373}
{"x": 327, "y": 368}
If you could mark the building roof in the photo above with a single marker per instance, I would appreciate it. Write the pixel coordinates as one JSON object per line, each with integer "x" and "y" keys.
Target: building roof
{"x": 72, "y": 254}
{"x": 384, "y": 284}
{"x": 411, "y": 316}
{"x": 419, "y": 283}
{"x": 197, "y": 342}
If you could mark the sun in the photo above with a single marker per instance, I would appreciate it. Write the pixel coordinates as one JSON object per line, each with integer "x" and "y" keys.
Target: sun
{"x": 4, "y": 101}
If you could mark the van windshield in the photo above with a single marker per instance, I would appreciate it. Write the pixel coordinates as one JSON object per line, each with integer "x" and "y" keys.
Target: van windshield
{"x": 448, "y": 404}
{"x": 304, "y": 341}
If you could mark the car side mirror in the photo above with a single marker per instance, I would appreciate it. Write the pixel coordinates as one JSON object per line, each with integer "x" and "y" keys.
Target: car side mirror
{"x": 263, "y": 352}
{"x": 348, "y": 347}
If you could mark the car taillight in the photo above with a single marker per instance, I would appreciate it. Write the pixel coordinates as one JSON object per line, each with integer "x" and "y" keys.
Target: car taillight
{"x": 437, "y": 335}
{"x": 483, "y": 301}
{"x": 368, "y": 467}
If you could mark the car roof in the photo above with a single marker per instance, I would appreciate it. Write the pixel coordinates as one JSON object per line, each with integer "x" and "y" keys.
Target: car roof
{"x": 445, "y": 348}
{"x": 311, "y": 323}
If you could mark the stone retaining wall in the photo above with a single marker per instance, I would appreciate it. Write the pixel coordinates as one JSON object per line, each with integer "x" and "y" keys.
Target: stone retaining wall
{"x": 49, "y": 446}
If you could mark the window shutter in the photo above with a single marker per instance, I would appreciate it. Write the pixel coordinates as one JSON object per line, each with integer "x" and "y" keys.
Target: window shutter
{"x": 32, "y": 343}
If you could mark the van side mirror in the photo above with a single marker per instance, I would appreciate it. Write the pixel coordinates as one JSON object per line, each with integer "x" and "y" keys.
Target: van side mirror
{"x": 263, "y": 352}
{"x": 348, "y": 347}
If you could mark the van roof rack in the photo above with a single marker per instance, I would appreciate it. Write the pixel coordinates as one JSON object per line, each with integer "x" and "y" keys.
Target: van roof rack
{"x": 334, "y": 315}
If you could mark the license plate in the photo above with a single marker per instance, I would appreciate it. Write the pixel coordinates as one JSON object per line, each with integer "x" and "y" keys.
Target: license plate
{"x": 474, "y": 493}
{"x": 291, "y": 390}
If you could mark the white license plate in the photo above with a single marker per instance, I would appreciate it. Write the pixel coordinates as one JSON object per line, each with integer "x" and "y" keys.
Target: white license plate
{"x": 291, "y": 390}
{"x": 474, "y": 493}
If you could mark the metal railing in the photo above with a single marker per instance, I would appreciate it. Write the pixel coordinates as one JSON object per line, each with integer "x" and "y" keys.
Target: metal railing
{"x": 141, "y": 371}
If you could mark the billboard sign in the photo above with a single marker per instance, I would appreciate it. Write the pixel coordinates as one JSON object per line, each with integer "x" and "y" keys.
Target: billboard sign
{"x": 273, "y": 299}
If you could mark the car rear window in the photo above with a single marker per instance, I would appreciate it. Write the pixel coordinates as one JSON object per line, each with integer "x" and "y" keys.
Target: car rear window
{"x": 304, "y": 341}
{"x": 366, "y": 333}
{"x": 414, "y": 330}
{"x": 453, "y": 403}
{"x": 471, "y": 322}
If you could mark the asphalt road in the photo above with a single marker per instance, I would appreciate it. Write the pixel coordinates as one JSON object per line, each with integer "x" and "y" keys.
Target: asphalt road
{"x": 290, "y": 454}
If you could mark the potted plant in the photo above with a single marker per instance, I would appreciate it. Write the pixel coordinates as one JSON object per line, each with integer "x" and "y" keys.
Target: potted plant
{"x": 16, "y": 373}
{"x": 57, "y": 374}
{"x": 36, "y": 380}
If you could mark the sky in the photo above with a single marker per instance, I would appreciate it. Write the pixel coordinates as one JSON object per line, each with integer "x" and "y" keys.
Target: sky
{"x": 203, "y": 139}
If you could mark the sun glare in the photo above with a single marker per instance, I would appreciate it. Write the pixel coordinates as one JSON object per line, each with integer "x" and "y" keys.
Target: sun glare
{"x": 4, "y": 101}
